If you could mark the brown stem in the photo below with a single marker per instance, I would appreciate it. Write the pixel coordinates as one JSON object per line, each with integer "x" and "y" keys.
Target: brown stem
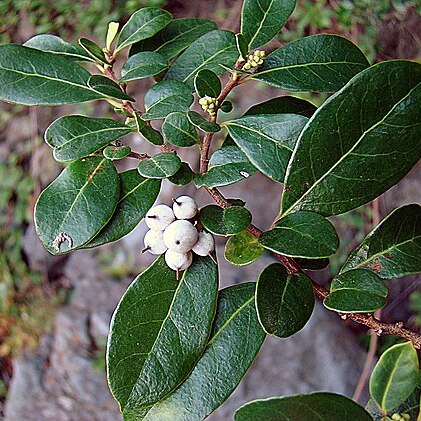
{"x": 364, "y": 319}
{"x": 138, "y": 156}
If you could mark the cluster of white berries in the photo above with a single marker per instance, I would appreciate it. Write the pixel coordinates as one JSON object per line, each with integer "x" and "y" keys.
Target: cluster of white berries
{"x": 209, "y": 104}
{"x": 171, "y": 232}
{"x": 254, "y": 60}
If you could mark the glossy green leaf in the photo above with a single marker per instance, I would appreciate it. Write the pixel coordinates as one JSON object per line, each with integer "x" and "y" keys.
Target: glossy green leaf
{"x": 283, "y": 105}
{"x": 226, "y": 106}
{"x": 158, "y": 332}
{"x": 93, "y": 50}
{"x": 267, "y": 140}
{"x": 162, "y": 165}
{"x": 242, "y": 45}
{"x": 261, "y": 20}
{"x": 114, "y": 153}
{"x": 208, "y": 52}
{"x": 183, "y": 176}
{"x": 313, "y": 264}
{"x": 243, "y": 249}
{"x": 175, "y": 37}
{"x": 284, "y": 302}
{"x": 302, "y": 234}
{"x": 320, "y": 406}
{"x": 320, "y": 63}
{"x": 147, "y": 131}
{"x": 76, "y": 136}
{"x": 410, "y": 406}
{"x": 108, "y": 87}
{"x": 77, "y": 204}
{"x": 358, "y": 143}
{"x": 143, "y": 24}
{"x": 227, "y": 221}
{"x": 356, "y": 291}
{"x": 395, "y": 376}
{"x": 137, "y": 196}
{"x": 165, "y": 98}
{"x": 393, "y": 248}
{"x": 235, "y": 341}
{"x": 55, "y": 45}
{"x": 207, "y": 83}
{"x": 200, "y": 122}
{"x": 142, "y": 65}
{"x": 226, "y": 166}
{"x": 179, "y": 131}
{"x": 33, "y": 77}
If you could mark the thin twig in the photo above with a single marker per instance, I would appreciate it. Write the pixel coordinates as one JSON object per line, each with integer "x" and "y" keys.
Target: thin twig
{"x": 364, "y": 319}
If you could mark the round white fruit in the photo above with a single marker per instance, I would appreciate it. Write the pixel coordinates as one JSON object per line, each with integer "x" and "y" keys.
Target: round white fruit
{"x": 184, "y": 207}
{"x": 154, "y": 242}
{"x": 180, "y": 236}
{"x": 178, "y": 261}
{"x": 205, "y": 244}
{"x": 159, "y": 217}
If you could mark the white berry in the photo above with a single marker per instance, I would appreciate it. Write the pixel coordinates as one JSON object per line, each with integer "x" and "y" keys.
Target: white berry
{"x": 205, "y": 244}
{"x": 178, "y": 261}
{"x": 184, "y": 207}
{"x": 180, "y": 236}
{"x": 154, "y": 242}
{"x": 159, "y": 217}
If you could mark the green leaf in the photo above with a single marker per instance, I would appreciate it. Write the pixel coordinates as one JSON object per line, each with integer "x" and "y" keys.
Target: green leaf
{"x": 225, "y": 222}
{"x": 165, "y": 98}
{"x": 395, "y": 376}
{"x": 137, "y": 196}
{"x": 359, "y": 143}
{"x": 112, "y": 32}
{"x": 55, "y": 45}
{"x": 284, "y": 302}
{"x": 108, "y": 88}
{"x": 208, "y": 52}
{"x": 175, "y": 37}
{"x": 77, "y": 204}
{"x": 261, "y": 20}
{"x": 283, "y": 105}
{"x": 392, "y": 249}
{"x": 410, "y": 406}
{"x": 302, "y": 234}
{"x": 183, "y": 176}
{"x": 242, "y": 45}
{"x": 356, "y": 291}
{"x": 179, "y": 131}
{"x": 235, "y": 341}
{"x": 158, "y": 332}
{"x": 243, "y": 249}
{"x": 148, "y": 132}
{"x": 320, "y": 63}
{"x": 114, "y": 153}
{"x": 321, "y": 406}
{"x": 267, "y": 140}
{"x": 142, "y": 65}
{"x": 76, "y": 136}
{"x": 143, "y": 24}
{"x": 162, "y": 165}
{"x": 207, "y": 83}
{"x": 199, "y": 121}
{"x": 226, "y": 106}
{"x": 34, "y": 77}
{"x": 93, "y": 50}
{"x": 313, "y": 264}
{"x": 226, "y": 166}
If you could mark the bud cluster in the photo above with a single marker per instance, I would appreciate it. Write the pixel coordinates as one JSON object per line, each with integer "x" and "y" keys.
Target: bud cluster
{"x": 400, "y": 417}
{"x": 209, "y": 104}
{"x": 171, "y": 232}
{"x": 254, "y": 60}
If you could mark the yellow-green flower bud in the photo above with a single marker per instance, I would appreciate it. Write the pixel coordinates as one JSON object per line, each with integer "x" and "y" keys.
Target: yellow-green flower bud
{"x": 209, "y": 104}
{"x": 254, "y": 60}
